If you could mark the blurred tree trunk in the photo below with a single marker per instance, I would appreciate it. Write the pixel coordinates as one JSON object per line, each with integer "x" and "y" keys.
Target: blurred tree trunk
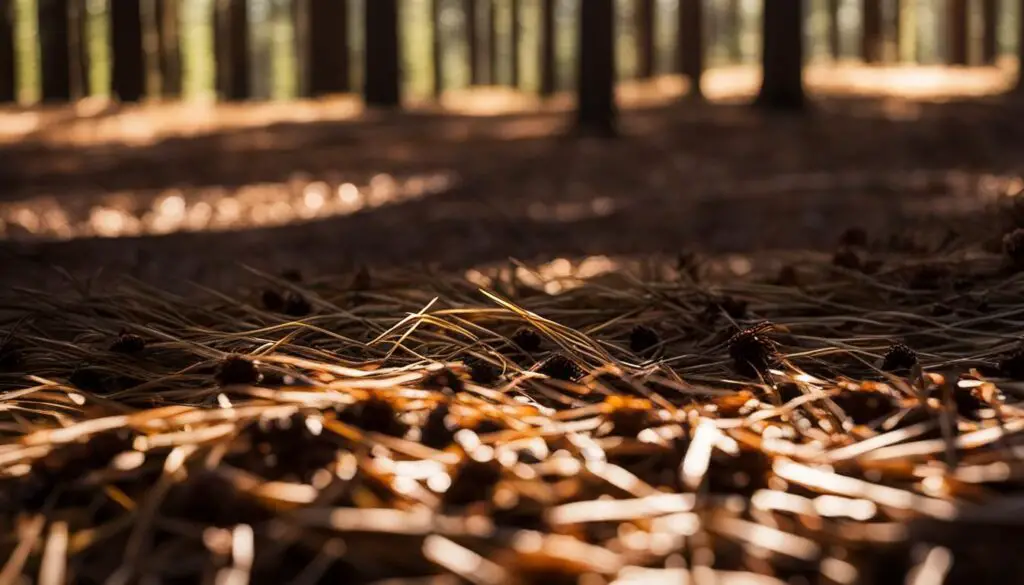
{"x": 231, "y": 49}
{"x": 595, "y": 93}
{"x": 645, "y": 38}
{"x": 1020, "y": 49}
{"x": 383, "y": 71}
{"x": 79, "y": 20}
{"x": 472, "y": 41}
{"x": 128, "y": 70}
{"x": 895, "y": 25}
{"x": 872, "y": 40}
{"x": 691, "y": 44}
{"x": 7, "y": 70}
{"x": 834, "y": 32}
{"x": 493, "y": 61}
{"x": 782, "y": 86}
{"x": 54, "y": 50}
{"x": 514, "y": 32}
{"x": 547, "y": 47}
{"x": 990, "y": 32}
{"x": 326, "y": 48}
{"x": 734, "y": 31}
{"x": 956, "y": 23}
{"x": 169, "y": 32}
{"x": 437, "y": 47}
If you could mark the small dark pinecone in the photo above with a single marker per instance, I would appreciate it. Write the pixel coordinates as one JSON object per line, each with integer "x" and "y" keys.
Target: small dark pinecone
{"x": 129, "y": 343}
{"x": 526, "y": 339}
{"x": 237, "y": 369}
{"x": 296, "y": 305}
{"x": 482, "y": 371}
{"x": 374, "y": 414}
{"x": 899, "y": 358}
{"x": 438, "y": 430}
{"x": 1011, "y": 365}
{"x": 473, "y": 481}
{"x": 788, "y": 276}
{"x": 854, "y": 236}
{"x": 1013, "y": 247}
{"x": 863, "y": 406}
{"x": 561, "y": 367}
{"x": 443, "y": 380}
{"x": 643, "y": 340}
{"x": 847, "y": 258}
{"x": 752, "y": 351}
{"x": 272, "y": 300}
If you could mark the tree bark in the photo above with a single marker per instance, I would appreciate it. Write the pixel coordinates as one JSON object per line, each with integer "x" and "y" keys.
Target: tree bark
{"x": 548, "y": 69}
{"x": 169, "y": 33}
{"x": 515, "y": 14}
{"x": 437, "y": 47}
{"x": 990, "y": 32}
{"x": 77, "y": 30}
{"x": 956, "y": 23}
{"x": 472, "y": 41}
{"x": 55, "y": 50}
{"x": 896, "y": 26}
{"x": 231, "y": 49}
{"x": 691, "y": 43}
{"x": 782, "y": 86}
{"x": 7, "y": 69}
{"x": 383, "y": 71}
{"x": 645, "y": 38}
{"x": 872, "y": 40}
{"x": 128, "y": 71}
{"x": 596, "y": 112}
{"x": 326, "y": 50}
{"x": 834, "y": 31}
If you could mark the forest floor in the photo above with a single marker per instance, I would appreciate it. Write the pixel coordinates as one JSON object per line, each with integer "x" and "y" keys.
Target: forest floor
{"x": 848, "y": 412}
{"x": 490, "y": 176}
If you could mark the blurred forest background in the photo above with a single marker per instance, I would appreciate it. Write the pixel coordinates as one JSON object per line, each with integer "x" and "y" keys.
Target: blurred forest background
{"x": 732, "y": 36}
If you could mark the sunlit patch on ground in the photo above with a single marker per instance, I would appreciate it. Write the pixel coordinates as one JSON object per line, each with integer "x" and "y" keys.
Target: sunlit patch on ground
{"x": 93, "y": 122}
{"x": 210, "y": 209}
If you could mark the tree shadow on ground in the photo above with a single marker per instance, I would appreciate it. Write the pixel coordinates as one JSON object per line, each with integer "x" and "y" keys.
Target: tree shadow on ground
{"x": 709, "y": 177}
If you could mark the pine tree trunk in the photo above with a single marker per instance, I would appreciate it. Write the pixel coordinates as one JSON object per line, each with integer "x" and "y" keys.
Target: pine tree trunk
{"x": 515, "y": 16}
{"x": 493, "y": 61}
{"x": 326, "y": 49}
{"x": 383, "y": 71}
{"x": 734, "y": 31}
{"x": 7, "y": 70}
{"x": 437, "y": 47}
{"x": 872, "y": 41}
{"x": 55, "y": 50}
{"x": 128, "y": 71}
{"x": 645, "y": 38}
{"x": 77, "y": 29}
{"x": 472, "y": 40}
{"x": 895, "y": 25}
{"x": 1020, "y": 49}
{"x": 990, "y": 32}
{"x": 834, "y": 31}
{"x": 782, "y": 85}
{"x": 956, "y": 23}
{"x": 691, "y": 43}
{"x": 169, "y": 31}
{"x": 596, "y": 111}
{"x": 231, "y": 49}
{"x": 548, "y": 69}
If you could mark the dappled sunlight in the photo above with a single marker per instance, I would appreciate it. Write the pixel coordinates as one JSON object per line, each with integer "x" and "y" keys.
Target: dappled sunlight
{"x": 96, "y": 121}
{"x": 209, "y": 209}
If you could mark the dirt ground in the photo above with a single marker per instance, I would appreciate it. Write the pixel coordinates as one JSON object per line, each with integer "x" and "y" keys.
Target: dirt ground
{"x": 193, "y": 191}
